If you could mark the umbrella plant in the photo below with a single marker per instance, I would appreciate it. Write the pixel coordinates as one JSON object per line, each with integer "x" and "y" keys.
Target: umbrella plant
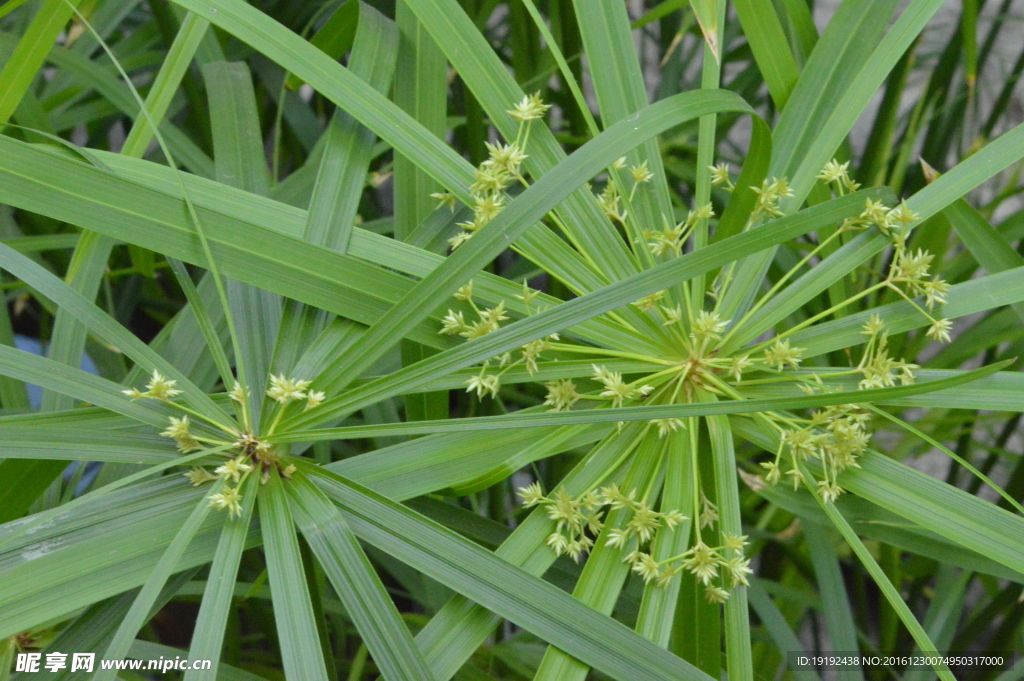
{"x": 467, "y": 366}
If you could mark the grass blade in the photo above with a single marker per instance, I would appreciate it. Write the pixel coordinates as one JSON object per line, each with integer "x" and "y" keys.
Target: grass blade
{"x": 891, "y": 594}
{"x": 296, "y": 626}
{"x": 20, "y": 70}
{"x": 143, "y": 603}
{"x": 645, "y": 413}
{"x": 658, "y": 608}
{"x": 366, "y": 601}
{"x": 739, "y": 663}
{"x": 241, "y": 163}
{"x": 218, "y": 597}
{"x": 507, "y": 590}
{"x": 772, "y": 52}
{"x": 842, "y": 631}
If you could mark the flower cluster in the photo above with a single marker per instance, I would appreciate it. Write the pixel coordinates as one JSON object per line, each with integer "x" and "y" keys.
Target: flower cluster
{"x": 669, "y": 240}
{"x": 575, "y": 517}
{"x": 561, "y": 395}
{"x": 529, "y": 108}
{"x": 878, "y": 368}
{"x": 648, "y": 303}
{"x": 235, "y": 471}
{"x": 609, "y": 200}
{"x": 488, "y": 321}
{"x": 781, "y": 353}
{"x": 720, "y": 177}
{"x": 834, "y": 435}
{"x": 284, "y": 390}
{"x": 707, "y": 564}
{"x": 837, "y": 174}
{"x": 159, "y": 388}
{"x": 180, "y": 432}
{"x": 643, "y": 522}
{"x": 708, "y": 326}
{"x": 580, "y": 519}
{"x": 502, "y": 168}
{"x": 617, "y": 390}
{"x": 249, "y": 452}
{"x": 769, "y": 198}
{"x": 611, "y": 196}
{"x": 910, "y": 270}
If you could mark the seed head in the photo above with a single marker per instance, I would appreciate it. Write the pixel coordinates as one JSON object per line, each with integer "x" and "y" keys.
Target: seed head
{"x": 708, "y": 326}
{"x": 702, "y": 561}
{"x": 738, "y": 568}
{"x": 561, "y": 395}
{"x": 483, "y": 385}
{"x": 197, "y": 476}
{"x": 315, "y": 398}
{"x": 935, "y": 292}
{"x": 782, "y": 354}
{"x": 159, "y": 387}
{"x": 284, "y": 390}
{"x": 617, "y": 538}
{"x": 445, "y": 199}
{"x": 646, "y": 567}
{"x": 529, "y": 108}
{"x": 453, "y": 323}
{"x": 229, "y": 499}
{"x": 734, "y": 542}
{"x": 739, "y": 364}
{"x": 720, "y": 176}
{"x": 641, "y": 173}
{"x": 645, "y": 521}
{"x": 666, "y": 426}
{"x": 506, "y": 158}
{"x": 939, "y": 330}
{"x": 179, "y": 431}
{"x": 715, "y": 594}
{"x": 238, "y": 393}
{"x": 834, "y": 171}
{"x": 648, "y": 302}
{"x": 672, "y": 518}
{"x": 873, "y": 326}
{"x": 233, "y": 468}
{"x": 531, "y": 495}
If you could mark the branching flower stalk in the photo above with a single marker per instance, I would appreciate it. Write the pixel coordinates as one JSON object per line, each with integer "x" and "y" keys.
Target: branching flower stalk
{"x": 699, "y": 362}
{"x": 247, "y": 452}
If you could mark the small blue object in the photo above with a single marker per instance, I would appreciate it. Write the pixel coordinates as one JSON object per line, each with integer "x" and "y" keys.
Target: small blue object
{"x": 33, "y": 345}
{"x": 35, "y": 398}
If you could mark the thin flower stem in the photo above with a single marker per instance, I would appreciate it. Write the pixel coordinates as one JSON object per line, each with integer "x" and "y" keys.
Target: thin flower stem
{"x": 910, "y": 300}
{"x": 622, "y": 457}
{"x": 580, "y": 349}
{"x": 778, "y": 285}
{"x": 938, "y": 445}
{"x": 821, "y": 315}
{"x": 219, "y": 443}
{"x": 188, "y": 410}
{"x": 784, "y": 377}
{"x": 695, "y": 473}
{"x": 277, "y": 419}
